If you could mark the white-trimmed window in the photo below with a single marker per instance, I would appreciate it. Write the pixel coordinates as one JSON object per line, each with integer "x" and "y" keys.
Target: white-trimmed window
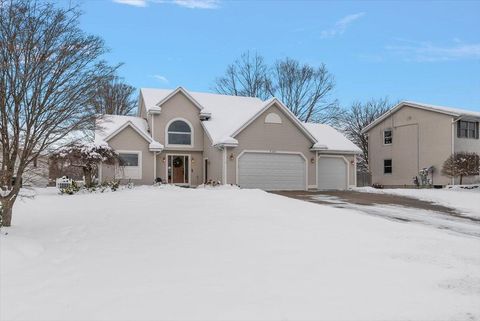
{"x": 130, "y": 164}
{"x": 273, "y": 118}
{"x": 387, "y": 166}
{"x": 180, "y": 133}
{"x": 387, "y": 137}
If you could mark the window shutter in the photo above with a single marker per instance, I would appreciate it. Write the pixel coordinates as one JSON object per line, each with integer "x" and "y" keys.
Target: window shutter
{"x": 458, "y": 129}
{"x": 476, "y": 130}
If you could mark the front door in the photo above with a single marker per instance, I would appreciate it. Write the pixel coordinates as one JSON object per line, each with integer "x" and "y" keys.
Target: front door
{"x": 178, "y": 169}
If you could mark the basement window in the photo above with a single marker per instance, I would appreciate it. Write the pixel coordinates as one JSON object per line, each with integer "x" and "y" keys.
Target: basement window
{"x": 387, "y": 166}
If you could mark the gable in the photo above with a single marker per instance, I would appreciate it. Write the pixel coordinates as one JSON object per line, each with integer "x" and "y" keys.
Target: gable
{"x": 128, "y": 138}
{"x": 276, "y": 111}
{"x": 283, "y": 134}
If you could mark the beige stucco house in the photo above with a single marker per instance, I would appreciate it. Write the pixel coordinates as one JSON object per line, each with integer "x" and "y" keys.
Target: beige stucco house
{"x": 189, "y": 138}
{"x": 412, "y": 136}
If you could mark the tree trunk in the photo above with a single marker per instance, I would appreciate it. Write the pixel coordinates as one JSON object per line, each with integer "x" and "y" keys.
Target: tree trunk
{"x": 87, "y": 173}
{"x": 6, "y": 211}
{"x": 461, "y": 179}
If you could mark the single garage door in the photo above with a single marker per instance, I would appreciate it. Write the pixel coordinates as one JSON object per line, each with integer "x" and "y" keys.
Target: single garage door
{"x": 332, "y": 173}
{"x": 272, "y": 171}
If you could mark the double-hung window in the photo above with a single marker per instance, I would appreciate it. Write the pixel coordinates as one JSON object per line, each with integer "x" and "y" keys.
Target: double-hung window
{"x": 467, "y": 129}
{"x": 387, "y": 166}
{"x": 387, "y": 137}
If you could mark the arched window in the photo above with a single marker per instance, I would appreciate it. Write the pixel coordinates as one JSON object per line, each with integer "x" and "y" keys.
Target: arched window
{"x": 179, "y": 133}
{"x": 273, "y": 118}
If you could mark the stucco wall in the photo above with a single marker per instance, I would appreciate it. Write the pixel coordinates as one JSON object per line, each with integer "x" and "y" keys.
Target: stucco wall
{"x": 271, "y": 137}
{"x": 214, "y": 156}
{"x": 420, "y": 139}
{"x": 178, "y": 106}
{"x": 129, "y": 139}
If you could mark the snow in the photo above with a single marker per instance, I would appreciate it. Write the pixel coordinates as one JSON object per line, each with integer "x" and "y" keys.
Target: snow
{"x": 222, "y": 254}
{"x": 466, "y": 201}
{"x": 107, "y": 124}
{"x": 230, "y": 113}
{"x": 454, "y": 111}
{"x": 329, "y": 138}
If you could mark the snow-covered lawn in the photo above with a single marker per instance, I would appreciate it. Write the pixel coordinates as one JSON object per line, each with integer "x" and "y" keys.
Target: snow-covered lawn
{"x": 466, "y": 201}
{"x": 183, "y": 254}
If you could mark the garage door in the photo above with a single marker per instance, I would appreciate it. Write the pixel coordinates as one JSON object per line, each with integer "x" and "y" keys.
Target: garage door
{"x": 332, "y": 173}
{"x": 272, "y": 171}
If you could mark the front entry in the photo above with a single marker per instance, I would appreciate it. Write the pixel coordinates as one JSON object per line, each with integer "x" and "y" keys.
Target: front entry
{"x": 178, "y": 169}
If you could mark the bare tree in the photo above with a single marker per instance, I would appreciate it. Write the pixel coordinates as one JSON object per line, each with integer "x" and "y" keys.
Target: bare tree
{"x": 359, "y": 116}
{"x": 114, "y": 97}
{"x": 461, "y": 164}
{"x": 246, "y": 76}
{"x": 305, "y": 90}
{"x": 48, "y": 71}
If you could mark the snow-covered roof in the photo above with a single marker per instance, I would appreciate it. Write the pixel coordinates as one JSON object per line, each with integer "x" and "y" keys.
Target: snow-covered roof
{"x": 227, "y": 113}
{"x": 106, "y": 125}
{"x": 455, "y": 112}
{"x": 329, "y": 139}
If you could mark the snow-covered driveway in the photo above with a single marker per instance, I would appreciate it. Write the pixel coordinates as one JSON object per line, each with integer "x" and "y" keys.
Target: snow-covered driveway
{"x": 180, "y": 254}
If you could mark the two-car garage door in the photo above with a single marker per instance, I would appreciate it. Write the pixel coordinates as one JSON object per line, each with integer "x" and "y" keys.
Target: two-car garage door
{"x": 272, "y": 171}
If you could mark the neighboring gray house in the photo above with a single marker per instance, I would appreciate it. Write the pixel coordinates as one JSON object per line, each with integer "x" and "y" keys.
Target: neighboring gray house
{"x": 188, "y": 138}
{"x": 412, "y": 136}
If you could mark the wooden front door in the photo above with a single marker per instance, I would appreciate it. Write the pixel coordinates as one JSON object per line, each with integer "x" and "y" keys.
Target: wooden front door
{"x": 178, "y": 169}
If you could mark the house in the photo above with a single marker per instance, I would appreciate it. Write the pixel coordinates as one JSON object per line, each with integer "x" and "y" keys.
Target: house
{"x": 189, "y": 138}
{"x": 412, "y": 136}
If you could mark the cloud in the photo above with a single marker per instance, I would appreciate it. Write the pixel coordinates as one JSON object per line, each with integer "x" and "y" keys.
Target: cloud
{"x": 341, "y": 25}
{"x": 191, "y": 4}
{"x": 428, "y": 52}
{"x": 161, "y": 78}
{"x": 197, "y": 4}
{"x": 135, "y": 3}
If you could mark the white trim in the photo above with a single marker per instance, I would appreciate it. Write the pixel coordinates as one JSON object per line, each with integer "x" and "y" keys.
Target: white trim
{"x": 355, "y": 169}
{"x": 140, "y": 164}
{"x": 192, "y": 133}
{"x": 271, "y": 152}
{"x": 287, "y": 112}
{"x": 346, "y": 162}
{"x": 410, "y": 104}
{"x": 153, "y": 126}
{"x": 183, "y": 91}
{"x": 316, "y": 168}
{"x": 128, "y": 123}
{"x": 154, "y": 166}
{"x": 224, "y": 166}
{"x": 189, "y": 169}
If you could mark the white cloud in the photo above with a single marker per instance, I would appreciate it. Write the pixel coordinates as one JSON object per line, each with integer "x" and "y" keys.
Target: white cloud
{"x": 341, "y": 25}
{"x": 428, "y": 52}
{"x": 191, "y": 4}
{"x": 197, "y": 4}
{"x": 161, "y": 78}
{"x": 135, "y": 3}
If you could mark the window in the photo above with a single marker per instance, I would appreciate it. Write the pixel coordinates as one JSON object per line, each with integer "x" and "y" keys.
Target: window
{"x": 387, "y": 166}
{"x": 179, "y": 133}
{"x": 467, "y": 129}
{"x": 387, "y": 137}
{"x": 129, "y": 165}
{"x": 128, "y": 159}
{"x": 273, "y": 118}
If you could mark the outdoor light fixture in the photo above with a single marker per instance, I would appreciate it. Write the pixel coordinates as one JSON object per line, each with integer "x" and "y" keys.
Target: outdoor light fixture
{"x": 231, "y": 156}
{"x": 163, "y": 159}
{"x": 193, "y": 160}
{"x": 312, "y": 160}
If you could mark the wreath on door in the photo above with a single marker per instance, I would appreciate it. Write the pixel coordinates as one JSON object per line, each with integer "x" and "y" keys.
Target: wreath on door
{"x": 177, "y": 162}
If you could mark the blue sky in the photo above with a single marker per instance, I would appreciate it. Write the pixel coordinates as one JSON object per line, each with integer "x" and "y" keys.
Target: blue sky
{"x": 426, "y": 51}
